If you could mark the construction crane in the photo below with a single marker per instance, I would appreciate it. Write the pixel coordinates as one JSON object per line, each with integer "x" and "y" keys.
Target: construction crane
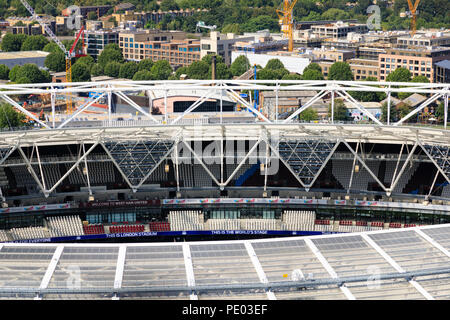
{"x": 68, "y": 54}
{"x": 413, "y": 14}
{"x": 287, "y": 22}
{"x": 202, "y": 24}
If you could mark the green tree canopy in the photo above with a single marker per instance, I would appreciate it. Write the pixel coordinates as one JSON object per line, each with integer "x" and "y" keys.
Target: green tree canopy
{"x": 340, "y": 111}
{"x": 274, "y": 64}
{"x": 208, "y": 59}
{"x": 10, "y": 118}
{"x": 96, "y": 70}
{"x": 111, "y": 53}
{"x": 112, "y": 69}
{"x": 143, "y": 75}
{"x": 161, "y": 70}
{"x": 198, "y": 70}
{"x": 309, "y": 114}
{"x": 399, "y": 75}
{"x": 4, "y": 72}
{"x": 32, "y": 73}
{"x": 56, "y": 61}
{"x": 368, "y": 96}
{"x": 313, "y": 66}
{"x": 51, "y": 47}
{"x": 92, "y": 15}
{"x": 292, "y": 76}
{"x": 88, "y": 60}
{"x": 340, "y": 71}
{"x": 180, "y": 71}
{"x": 312, "y": 74}
{"x": 33, "y": 43}
{"x": 240, "y": 65}
{"x": 261, "y": 22}
{"x": 128, "y": 69}
{"x": 13, "y": 72}
{"x": 81, "y": 72}
{"x": 222, "y": 71}
{"x": 13, "y": 42}
{"x": 145, "y": 64}
{"x": 420, "y": 79}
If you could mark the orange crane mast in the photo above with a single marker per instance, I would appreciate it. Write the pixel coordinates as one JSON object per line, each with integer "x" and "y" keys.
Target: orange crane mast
{"x": 413, "y": 12}
{"x": 287, "y": 22}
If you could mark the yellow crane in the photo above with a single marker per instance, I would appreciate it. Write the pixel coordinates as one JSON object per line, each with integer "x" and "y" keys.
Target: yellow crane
{"x": 413, "y": 14}
{"x": 287, "y": 22}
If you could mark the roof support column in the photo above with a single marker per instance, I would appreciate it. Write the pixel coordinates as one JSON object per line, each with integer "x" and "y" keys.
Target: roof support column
{"x": 119, "y": 269}
{"x": 50, "y": 269}
{"x": 189, "y": 269}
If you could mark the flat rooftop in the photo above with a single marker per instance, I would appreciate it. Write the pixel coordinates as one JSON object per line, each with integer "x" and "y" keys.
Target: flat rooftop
{"x": 23, "y": 54}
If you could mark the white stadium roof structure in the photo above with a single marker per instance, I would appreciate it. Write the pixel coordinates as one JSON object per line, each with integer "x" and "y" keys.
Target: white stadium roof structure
{"x": 411, "y": 263}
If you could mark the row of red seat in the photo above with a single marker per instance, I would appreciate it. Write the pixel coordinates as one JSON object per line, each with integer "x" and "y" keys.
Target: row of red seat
{"x": 159, "y": 226}
{"x": 346, "y": 223}
{"x": 361, "y": 223}
{"x": 94, "y": 229}
{"x": 377, "y": 224}
{"x": 409, "y": 225}
{"x": 395, "y": 225}
{"x": 325, "y": 222}
{"x": 126, "y": 229}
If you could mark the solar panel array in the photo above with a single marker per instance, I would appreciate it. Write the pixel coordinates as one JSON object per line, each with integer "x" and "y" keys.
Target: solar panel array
{"x": 411, "y": 263}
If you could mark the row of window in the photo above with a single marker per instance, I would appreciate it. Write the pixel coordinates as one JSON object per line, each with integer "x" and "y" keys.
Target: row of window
{"x": 404, "y": 61}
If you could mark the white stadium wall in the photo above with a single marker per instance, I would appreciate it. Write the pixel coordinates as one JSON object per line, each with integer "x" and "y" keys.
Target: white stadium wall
{"x": 291, "y": 63}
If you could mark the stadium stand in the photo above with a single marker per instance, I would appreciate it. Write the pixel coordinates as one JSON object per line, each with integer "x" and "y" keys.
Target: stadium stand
{"x": 65, "y": 226}
{"x": 94, "y": 229}
{"x": 298, "y": 220}
{"x": 186, "y": 220}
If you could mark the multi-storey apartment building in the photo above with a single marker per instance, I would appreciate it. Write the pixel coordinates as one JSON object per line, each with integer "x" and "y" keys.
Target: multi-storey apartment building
{"x": 96, "y": 40}
{"x": 338, "y": 29}
{"x": 221, "y": 44}
{"x": 418, "y": 60}
{"x": 159, "y": 45}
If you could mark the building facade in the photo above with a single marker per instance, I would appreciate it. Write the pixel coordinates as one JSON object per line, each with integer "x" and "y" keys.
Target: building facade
{"x": 221, "y": 44}
{"x": 442, "y": 74}
{"x": 420, "y": 61}
{"x": 96, "y": 40}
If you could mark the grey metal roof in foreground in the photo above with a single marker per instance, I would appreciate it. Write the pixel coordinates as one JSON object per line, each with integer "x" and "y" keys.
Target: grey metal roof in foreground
{"x": 411, "y": 263}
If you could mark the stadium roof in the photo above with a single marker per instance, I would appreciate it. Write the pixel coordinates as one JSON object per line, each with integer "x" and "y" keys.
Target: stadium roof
{"x": 23, "y": 54}
{"x": 411, "y": 263}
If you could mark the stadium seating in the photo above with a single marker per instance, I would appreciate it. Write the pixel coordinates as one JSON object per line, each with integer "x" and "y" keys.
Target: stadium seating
{"x": 223, "y": 224}
{"x": 376, "y": 225}
{"x": 260, "y": 224}
{"x": 94, "y": 229}
{"x": 29, "y": 233}
{"x": 65, "y": 226}
{"x": 127, "y": 228}
{"x": 181, "y": 220}
{"x": 4, "y": 236}
{"x": 323, "y": 225}
{"x": 159, "y": 226}
{"x": 298, "y": 220}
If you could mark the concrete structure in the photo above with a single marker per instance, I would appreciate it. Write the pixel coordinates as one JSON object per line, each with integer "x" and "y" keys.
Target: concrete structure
{"x": 338, "y": 30}
{"x": 418, "y": 60}
{"x": 442, "y": 72}
{"x": 221, "y": 44}
{"x": 10, "y": 59}
{"x": 425, "y": 39}
{"x": 293, "y": 62}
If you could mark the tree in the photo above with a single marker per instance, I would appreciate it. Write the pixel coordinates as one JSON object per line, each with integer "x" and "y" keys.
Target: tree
{"x": 312, "y": 74}
{"x": 439, "y": 112}
{"x": 420, "y": 79}
{"x": 33, "y": 43}
{"x": 32, "y": 73}
{"x": 340, "y": 111}
{"x": 13, "y": 72}
{"x": 112, "y": 69}
{"x": 4, "y": 72}
{"x": 340, "y": 71}
{"x": 292, "y": 76}
{"x": 261, "y": 22}
{"x": 167, "y": 5}
{"x": 81, "y": 72}
{"x": 180, "y": 71}
{"x": 143, "y": 75}
{"x": 96, "y": 70}
{"x": 128, "y": 69}
{"x": 110, "y": 54}
{"x": 198, "y": 70}
{"x": 208, "y": 59}
{"x": 222, "y": 71}
{"x": 52, "y": 47}
{"x": 368, "y": 96}
{"x": 145, "y": 64}
{"x": 240, "y": 65}
{"x": 92, "y": 15}
{"x": 161, "y": 70}
{"x": 10, "y": 118}
{"x": 56, "y": 61}
{"x": 313, "y": 66}
{"x": 88, "y": 60}
{"x": 274, "y": 64}
{"x": 384, "y": 111}
{"x": 399, "y": 75}
{"x": 232, "y": 28}
{"x": 13, "y": 42}
{"x": 308, "y": 115}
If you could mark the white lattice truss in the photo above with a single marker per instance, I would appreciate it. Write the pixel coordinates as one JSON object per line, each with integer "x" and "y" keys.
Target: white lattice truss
{"x": 173, "y": 135}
